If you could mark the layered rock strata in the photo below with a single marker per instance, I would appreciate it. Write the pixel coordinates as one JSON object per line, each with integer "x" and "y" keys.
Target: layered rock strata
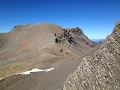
{"x": 101, "y": 71}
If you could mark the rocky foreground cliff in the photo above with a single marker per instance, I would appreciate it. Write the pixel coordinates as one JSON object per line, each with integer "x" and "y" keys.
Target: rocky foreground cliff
{"x": 101, "y": 71}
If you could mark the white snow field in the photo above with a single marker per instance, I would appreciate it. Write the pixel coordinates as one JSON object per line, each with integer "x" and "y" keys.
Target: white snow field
{"x": 36, "y": 70}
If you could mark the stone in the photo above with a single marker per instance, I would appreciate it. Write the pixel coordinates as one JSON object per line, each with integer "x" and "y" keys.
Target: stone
{"x": 100, "y": 71}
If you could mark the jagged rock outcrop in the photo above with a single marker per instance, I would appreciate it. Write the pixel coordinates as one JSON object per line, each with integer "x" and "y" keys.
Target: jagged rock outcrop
{"x": 74, "y": 38}
{"x": 100, "y": 71}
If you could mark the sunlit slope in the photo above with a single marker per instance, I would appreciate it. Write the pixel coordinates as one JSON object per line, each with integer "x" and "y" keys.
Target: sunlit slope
{"x": 34, "y": 45}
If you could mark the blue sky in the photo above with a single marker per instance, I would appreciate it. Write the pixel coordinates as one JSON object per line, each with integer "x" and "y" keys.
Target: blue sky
{"x": 95, "y": 17}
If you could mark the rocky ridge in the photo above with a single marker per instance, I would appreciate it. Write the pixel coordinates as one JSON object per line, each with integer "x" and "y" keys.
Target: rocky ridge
{"x": 101, "y": 71}
{"x": 74, "y": 38}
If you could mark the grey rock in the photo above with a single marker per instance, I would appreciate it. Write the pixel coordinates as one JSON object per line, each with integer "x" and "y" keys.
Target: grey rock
{"x": 101, "y": 71}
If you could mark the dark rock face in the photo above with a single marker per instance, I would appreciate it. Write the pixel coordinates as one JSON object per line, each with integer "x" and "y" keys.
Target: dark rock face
{"x": 65, "y": 36}
{"x": 100, "y": 71}
{"x": 81, "y": 37}
{"x": 73, "y": 35}
{"x": 74, "y": 38}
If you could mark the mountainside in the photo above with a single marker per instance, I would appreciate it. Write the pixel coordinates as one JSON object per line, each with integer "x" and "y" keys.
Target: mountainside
{"x": 101, "y": 71}
{"x": 39, "y": 45}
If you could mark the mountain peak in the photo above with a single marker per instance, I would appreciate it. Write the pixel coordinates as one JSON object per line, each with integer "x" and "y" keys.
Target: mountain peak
{"x": 49, "y": 41}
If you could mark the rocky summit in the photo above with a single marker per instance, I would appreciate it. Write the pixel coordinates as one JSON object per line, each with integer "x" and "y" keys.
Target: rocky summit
{"x": 100, "y": 71}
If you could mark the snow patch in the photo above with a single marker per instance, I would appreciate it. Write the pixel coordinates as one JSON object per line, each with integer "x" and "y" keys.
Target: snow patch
{"x": 36, "y": 70}
{"x": 1, "y": 78}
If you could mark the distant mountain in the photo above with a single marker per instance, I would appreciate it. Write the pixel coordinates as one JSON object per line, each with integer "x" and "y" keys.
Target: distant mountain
{"x": 98, "y": 40}
{"x": 34, "y": 45}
